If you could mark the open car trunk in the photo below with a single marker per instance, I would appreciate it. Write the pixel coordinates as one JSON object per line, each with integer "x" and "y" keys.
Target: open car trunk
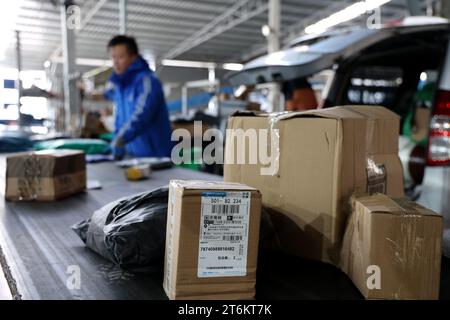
{"x": 316, "y": 54}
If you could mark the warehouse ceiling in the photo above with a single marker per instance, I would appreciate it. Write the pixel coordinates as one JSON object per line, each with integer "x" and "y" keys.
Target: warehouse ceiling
{"x": 164, "y": 28}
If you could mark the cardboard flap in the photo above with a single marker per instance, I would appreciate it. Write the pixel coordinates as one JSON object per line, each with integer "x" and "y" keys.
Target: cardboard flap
{"x": 330, "y": 113}
{"x": 380, "y": 203}
{"x": 246, "y": 113}
{"x": 373, "y": 112}
{"x": 338, "y": 112}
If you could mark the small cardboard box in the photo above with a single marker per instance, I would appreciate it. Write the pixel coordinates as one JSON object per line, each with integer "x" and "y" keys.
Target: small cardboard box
{"x": 45, "y": 175}
{"x": 392, "y": 248}
{"x": 212, "y": 240}
{"x": 323, "y": 157}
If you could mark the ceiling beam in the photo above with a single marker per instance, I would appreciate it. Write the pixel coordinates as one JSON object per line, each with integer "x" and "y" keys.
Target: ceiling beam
{"x": 91, "y": 7}
{"x": 238, "y": 13}
{"x": 297, "y": 29}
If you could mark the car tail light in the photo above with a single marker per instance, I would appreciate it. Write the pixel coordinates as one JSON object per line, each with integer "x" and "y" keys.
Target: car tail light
{"x": 439, "y": 143}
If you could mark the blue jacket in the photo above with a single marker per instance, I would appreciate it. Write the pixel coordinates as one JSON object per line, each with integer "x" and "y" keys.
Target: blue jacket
{"x": 142, "y": 119}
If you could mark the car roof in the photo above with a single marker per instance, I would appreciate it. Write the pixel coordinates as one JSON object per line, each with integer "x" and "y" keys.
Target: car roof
{"x": 408, "y": 24}
{"x": 311, "y": 54}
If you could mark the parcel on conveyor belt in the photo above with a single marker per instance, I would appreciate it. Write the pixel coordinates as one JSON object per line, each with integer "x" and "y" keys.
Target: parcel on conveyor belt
{"x": 211, "y": 240}
{"x": 316, "y": 160}
{"x": 45, "y": 175}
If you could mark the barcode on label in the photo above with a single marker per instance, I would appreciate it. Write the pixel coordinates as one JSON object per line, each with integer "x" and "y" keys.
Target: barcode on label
{"x": 213, "y": 217}
{"x": 219, "y": 268}
{"x": 225, "y": 208}
{"x": 232, "y": 238}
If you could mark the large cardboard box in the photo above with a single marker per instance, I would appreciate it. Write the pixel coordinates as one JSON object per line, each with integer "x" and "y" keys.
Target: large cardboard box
{"x": 392, "y": 248}
{"x": 45, "y": 175}
{"x": 212, "y": 240}
{"x": 324, "y": 156}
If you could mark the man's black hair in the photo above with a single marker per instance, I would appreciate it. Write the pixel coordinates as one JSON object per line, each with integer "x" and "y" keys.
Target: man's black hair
{"x": 130, "y": 43}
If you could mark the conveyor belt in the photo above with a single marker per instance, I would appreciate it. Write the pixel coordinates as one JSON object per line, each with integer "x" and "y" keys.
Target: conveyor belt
{"x": 40, "y": 248}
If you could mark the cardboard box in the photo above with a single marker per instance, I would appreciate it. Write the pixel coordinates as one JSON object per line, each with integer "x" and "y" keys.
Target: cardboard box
{"x": 212, "y": 240}
{"x": 392, "y": 249}
{"x": 324, "y": 156}
{"x": 45, "y": 175}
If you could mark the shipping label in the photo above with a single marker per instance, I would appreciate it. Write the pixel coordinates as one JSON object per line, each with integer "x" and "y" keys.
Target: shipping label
{"x": 224, "y": 225}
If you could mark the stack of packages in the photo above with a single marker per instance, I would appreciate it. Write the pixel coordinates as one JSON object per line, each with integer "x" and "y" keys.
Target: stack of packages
{"x": 211, "y": 240}
{"x": 45, "y": 175}
{"x": 317, "y": 159}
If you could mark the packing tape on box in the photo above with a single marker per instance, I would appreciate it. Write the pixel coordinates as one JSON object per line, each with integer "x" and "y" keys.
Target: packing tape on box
{"x": 406, "y": 248}
{"x": 376, "y": 177}
{"x": 32, "y": 173}
{"x": 406, "y": 245}
{"x": 201, "y": 184}
{"x": 29, "y": 183}
{"x": 375, "y": 172}
{"x": 273, "y": 119}
{"x": 409, "y": 236}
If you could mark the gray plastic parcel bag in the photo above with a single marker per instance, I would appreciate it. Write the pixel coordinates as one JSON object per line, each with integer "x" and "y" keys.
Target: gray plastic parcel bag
{"x": 131, "y": 232}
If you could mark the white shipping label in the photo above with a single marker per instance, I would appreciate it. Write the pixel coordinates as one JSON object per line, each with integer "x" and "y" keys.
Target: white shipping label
{"x": 223, "y": 237}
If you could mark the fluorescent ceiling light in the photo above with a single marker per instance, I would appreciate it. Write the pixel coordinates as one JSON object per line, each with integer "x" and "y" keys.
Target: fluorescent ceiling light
{"x": 164, "y": 62}
{"x": 187, "y": 64}
{"x": 233, "y": 66}
{"x": 93, "y": 62}
{"x": 201, "y": 64}
{"x": 87, "y": 62}
{"x": 344, "y": 15}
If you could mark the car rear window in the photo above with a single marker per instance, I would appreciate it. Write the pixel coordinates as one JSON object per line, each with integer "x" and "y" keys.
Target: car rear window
{"x": 375, "y": 86}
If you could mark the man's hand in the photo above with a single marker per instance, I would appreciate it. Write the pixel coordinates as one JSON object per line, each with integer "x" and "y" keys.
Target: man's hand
{"x": 118, "y": 142}
{"x": 118, "y": 153}
{"x": 118, "y": 148}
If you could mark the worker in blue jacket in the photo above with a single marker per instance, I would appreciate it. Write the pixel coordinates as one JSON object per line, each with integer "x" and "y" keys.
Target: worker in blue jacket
{"x": 142, "y": 126}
